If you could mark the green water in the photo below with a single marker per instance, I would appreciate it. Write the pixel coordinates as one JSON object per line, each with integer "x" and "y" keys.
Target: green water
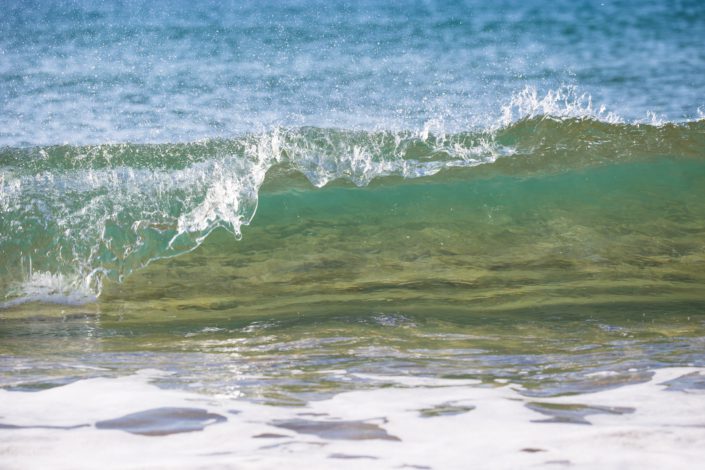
{"x": 613, "y": 234}
{"x": 541, "y": 279}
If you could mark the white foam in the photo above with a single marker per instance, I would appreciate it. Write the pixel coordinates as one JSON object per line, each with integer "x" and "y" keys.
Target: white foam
{"x": 665, "y": 430}
{"x": 563, "y": 102}
{"x": 51, "y": 288}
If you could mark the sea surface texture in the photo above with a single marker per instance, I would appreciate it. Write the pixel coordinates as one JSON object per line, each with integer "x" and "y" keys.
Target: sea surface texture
{"x": 270, "y": 212}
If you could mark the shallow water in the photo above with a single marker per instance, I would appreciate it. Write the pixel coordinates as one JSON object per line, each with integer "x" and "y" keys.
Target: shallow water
{"x": 400, "y": 422}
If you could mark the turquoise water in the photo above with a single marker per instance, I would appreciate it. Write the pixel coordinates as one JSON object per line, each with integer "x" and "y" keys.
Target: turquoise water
{"x": 76, "y": 216}
{"x": 283, "y": 202}
{"x": 484, "y": 266}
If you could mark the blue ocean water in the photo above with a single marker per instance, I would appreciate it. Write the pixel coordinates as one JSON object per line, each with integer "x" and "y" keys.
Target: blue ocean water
{"x": 92, "y": 72}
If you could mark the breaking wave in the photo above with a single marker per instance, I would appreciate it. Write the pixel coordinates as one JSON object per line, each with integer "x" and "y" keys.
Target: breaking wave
{"x": 75, "y": 215}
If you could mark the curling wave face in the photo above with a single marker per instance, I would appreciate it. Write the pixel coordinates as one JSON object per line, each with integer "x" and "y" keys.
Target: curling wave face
{"x": 74, "y": 215}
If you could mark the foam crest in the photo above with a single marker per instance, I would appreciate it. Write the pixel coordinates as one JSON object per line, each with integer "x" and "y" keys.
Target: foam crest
{"x": 564, "y": 102}
{"x": 231, "y": 198}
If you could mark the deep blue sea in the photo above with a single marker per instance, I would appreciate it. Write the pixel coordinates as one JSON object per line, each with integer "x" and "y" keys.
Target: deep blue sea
{"x": 95, "y": 72}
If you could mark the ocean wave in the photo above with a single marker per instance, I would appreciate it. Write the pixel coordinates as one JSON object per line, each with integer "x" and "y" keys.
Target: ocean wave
{"x": 81, "y": 214}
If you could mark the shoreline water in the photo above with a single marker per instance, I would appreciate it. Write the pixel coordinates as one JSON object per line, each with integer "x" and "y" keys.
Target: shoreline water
{"x": 417, "y": 423}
